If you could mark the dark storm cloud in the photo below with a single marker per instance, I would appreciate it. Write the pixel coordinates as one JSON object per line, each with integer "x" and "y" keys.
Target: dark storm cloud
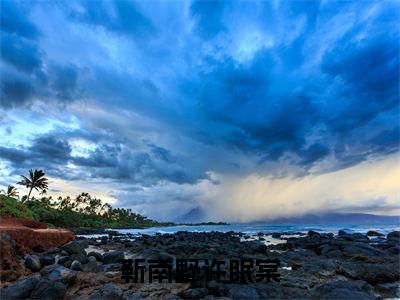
{"x": 57, "y": 84}
{"x": 259, "y": 107}
{"x": 13, "y": 19}
{"x": 26, "y": 73}
{"x": 21, "y": 53}
{"x": 122, "y": 17}
{"x": 44, "y": 151}
{"x": 249, "y": 113}
{"x": 313, "y": 80}
{"x": 15, "y": 92}
{"x": 65, "y": 82}
{"x": 208, "y": 16}
{"x": 369, "y": 70}
{"x": 313, "y": 153}
{"x": 146, "y": 168}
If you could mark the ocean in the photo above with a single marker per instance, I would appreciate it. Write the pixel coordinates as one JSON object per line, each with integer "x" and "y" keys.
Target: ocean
{"x": 268, "y": 228}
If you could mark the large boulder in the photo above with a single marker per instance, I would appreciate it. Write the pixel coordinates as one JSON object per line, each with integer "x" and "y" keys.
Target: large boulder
{"x": 370, "y": 272}
{"x": 59, "y": 273}
{"x": 63, "y": 259}
{"x": 394, "y": 235}
{"x": 76, "y": 266}
{"x": 313, "y": 235}
{"x": 21, "y": 289}
{"x": 91, "y": 266}
{"x": 157, "y": 254}
{"x": 374, "y": 233}
{"x": 73, "y": 247}
{"x": 46, "y": 260}
{"x": 357, "y": 249}
{"x": 113, "y": 257}
{"x": 97, "y": 255}
{"x": 49, "y": 290}
{"x": 32, "y": 262}
{"x": 81, "y": 257}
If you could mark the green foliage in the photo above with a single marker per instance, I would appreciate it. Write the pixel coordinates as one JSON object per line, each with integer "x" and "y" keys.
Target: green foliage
{"x": 85, "y": 211}
{"x": 81, "y": 211}
{"x": 11, "y": 207}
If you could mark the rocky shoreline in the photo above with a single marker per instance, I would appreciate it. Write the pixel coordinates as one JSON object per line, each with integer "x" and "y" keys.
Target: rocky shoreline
{"x": 312, "y": 266}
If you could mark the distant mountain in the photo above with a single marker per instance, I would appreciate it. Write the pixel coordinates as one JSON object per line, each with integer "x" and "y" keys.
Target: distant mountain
{"x": 196, "y": 215}
{"x": 335, "y": 218}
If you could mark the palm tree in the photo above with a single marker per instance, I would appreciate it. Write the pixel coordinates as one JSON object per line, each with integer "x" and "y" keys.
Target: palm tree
{"x": 10, "y": 192}
{"x": 35, "y": 181}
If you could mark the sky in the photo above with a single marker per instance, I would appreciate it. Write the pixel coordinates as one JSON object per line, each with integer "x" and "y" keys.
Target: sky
{"x": 243, "y": 110}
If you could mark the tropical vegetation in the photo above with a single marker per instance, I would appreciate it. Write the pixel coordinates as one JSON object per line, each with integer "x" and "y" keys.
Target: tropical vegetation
{"x": 73, "y": 212}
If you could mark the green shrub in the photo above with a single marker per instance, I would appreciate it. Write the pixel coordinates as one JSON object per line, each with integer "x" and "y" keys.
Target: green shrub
{"x": 11, "y": 207}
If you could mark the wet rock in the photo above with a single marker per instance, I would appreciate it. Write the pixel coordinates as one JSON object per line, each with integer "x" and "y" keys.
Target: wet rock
{"x": 48, "y": 289}
{"x": 62, "y": 260}
{"x": 374, "y": 233}
{"x": 97, "y": 255}
{"x": 32, "y": 262}
{"x": 113, "y": 257}
{"x": 361, "y": 249}
{"x": 394, "y": 249}
{"x": 370, "y": 272}
{"x": 82, "y": 258}
{"x": 67, "y": 264}
{"x": 46, "y": 260}
{"x": 157, "y": 254}
{"x": 83, "y": 243}
{"x": 313, "y": 234}
{"x": 110, "y": 291}
{"x": 256, "y": 246}
{"x": 91, "y": 266}
{"x": 59, "y": 273}
{"x": 239, "y": 291}
{"x": 53, "y": 250}
{"x": 340, "y": 289}
{"x": 354, "y": 237}
{"x": 394, "y": 235}
{"x": 21, "y": 289}
{"x": 76, "y": 266}
{"x": 195, "y": 293}
{"x": 73, "y": 247}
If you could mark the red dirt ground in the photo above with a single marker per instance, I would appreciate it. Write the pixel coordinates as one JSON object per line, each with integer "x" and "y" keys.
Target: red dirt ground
{"x": 28, "y": 235}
